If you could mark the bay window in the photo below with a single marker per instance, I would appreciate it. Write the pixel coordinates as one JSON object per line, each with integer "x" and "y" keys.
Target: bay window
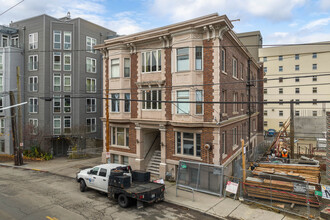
{"x": 151, "y": 61}
{"x": 183, "y": 107}
{"x": 115, "y": 102}
{"x": 182, "y": 59}
{"x": 152, "y": 99}
{"x": 115, "y": 68}
{"x": 198, "y": 58}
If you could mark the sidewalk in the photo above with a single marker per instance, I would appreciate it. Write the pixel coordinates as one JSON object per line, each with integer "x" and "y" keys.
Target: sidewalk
{"x": 213, "y": 205}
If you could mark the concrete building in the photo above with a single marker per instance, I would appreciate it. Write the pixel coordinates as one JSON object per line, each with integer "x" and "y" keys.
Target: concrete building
{"x": 62, "y": 80}
{"x": 166, "y": 85}
{"x": 299, "y": 73}
{"x": 11, "y": 57}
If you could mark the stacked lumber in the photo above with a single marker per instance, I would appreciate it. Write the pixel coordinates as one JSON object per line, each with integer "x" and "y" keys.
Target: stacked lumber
{"x": 284, "y": 183}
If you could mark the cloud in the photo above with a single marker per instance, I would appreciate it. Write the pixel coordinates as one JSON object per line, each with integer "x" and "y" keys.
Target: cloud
{"x": 325, "y": 4}
{"x": 294, "y": 38}
{"x": 187, "y": 9}
{"x": 313, "y": 25}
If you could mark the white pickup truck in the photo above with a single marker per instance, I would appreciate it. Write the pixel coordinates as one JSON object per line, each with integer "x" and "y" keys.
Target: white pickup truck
{"x": 98, "y": 178}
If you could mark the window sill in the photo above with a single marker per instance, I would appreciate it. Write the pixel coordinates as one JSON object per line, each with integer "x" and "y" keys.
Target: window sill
{"x": 242, "y": 109}
{"x": 114, "y": 112}
{"x": 235, "y": 147}
{"x": 224, "y": 72}
{"x": 158, "y": 110}
{"x": 224, "y": 114}
{"x": 235, "y": 113}
{"x": 188, "y": 157}
{"x": 234, "y": 77}
{"x": 151, "y": 72}
{"x": 224, "y": 156}
{"x": 119, "y": 146}
{"x": 183, "y": 71}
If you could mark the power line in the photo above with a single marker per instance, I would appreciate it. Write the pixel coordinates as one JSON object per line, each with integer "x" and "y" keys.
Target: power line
{"x": 12, "y": 7}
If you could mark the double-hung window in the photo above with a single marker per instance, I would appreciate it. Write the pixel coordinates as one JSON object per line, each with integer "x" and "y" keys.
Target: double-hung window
{"x": 67, "y": 124}
{"x": 152, "y": 99}
{"x": 120, "y": 136}
{"x": 183, "y": 105}
{"x": 188, "y": 144}
{"x": 235, "y": 137}
{"x": 33, "y": 62}
{"x": 127, "y": 104}
{"x": 33, "y": 41}
{"x": 34, "y": 125}
{"x": 199, "y": 102}
{"x": 115, "y": 68}
{"x": 67, "y": 40}
{"x": 90, "y": 43}
{"x": 57, "y": 40}
{"x": 198, "y": 58}
{"x": 5, "y": 41}
{"x": 57, "y": 125}
{"x": 67, "y": 83}
{"x": 67, "y": 104}
{"x": 1, "y": 63}
{"x": 15, "y": 41}
{"x": 1, "y": 104}
{"x": 57, "y": 82}
{"x": 57, "y": 61}
{"x": 91, "y": 105}
{"x": 182, "y": 59}
{"x": 67, "y": 61}
{"x": 223, "y": 142}
{"x": 33, "y": 83}
{"x": 91, "y": 125}
{"x": 223, "y": 60}
{"x": 115, "y": 102}
{"x": 90, "y": 85}
{"x": 1, "y": 82}
{"x": 127, "y": 67}
{"x": 151, "y": 61}
{"x": 91, "y": 65}
{"x": 33, "y": 105}
{"x": 234, "y": 67}
{"x": 2, "y": 125}
{"x": 57, "y": 104}
{"x": 235, "y": 105}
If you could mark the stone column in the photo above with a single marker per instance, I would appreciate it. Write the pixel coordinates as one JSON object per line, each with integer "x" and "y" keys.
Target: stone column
{"x": 139, "y": 149}
{"x": 162, "y": 167}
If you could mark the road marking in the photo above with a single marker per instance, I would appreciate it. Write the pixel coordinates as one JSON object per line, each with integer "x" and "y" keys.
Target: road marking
{"x": 50, "y": 218}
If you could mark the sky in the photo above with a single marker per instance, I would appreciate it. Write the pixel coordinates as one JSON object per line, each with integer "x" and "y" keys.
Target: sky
{"x": 279, "y": 21}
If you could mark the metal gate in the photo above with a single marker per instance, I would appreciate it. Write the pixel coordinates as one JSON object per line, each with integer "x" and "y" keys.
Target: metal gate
{"x": 202, "y": 177}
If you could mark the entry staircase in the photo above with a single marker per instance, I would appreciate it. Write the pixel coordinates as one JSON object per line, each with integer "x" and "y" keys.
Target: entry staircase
{"x": 154, "y": 163}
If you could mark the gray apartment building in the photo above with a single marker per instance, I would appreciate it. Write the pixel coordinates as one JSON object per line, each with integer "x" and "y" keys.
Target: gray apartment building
{"x": 11, "y": 57}
{"x": 62, "y": 80}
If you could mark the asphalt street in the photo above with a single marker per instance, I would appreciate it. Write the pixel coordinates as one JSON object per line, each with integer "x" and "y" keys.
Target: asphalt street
{"x": 26, "y": 194}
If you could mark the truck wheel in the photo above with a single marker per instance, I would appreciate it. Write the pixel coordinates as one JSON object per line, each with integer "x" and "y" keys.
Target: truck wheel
{"x": 123, "y": 201}
{"x": 82, "y": 186}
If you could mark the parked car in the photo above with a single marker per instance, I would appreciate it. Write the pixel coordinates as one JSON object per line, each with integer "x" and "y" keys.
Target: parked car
{"x": 121, "y": 183}
{"x": 271, "y": 132}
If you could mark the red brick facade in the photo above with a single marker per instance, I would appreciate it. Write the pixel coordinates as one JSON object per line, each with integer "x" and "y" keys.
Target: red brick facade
{"x": 208, "y": 79}
{"x": 132, "y": 141}
{"x": 134, "y": 88}
{"x": 168, "y": 84}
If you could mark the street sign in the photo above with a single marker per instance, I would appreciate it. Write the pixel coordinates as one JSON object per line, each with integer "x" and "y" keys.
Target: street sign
{"x": 108, "y": 155}
{"x": 232, "y": 187}
{"x": 21, "y": 144}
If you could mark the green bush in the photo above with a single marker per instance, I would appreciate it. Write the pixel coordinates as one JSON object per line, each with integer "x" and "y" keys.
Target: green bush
{"x": 35, "y": 152}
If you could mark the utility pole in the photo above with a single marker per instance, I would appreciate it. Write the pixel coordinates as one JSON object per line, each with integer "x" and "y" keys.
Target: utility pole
{"x": 20, "y": 122}
{"x": 107, "y": 132}
{"x": 291, "y": 129}
{"x": 249, "y": 106}
{"x": 13, "y": 129}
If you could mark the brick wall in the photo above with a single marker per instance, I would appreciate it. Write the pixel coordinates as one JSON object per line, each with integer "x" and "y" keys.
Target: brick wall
{"x": 168, "y": 90}
{"x": 260, "y": 98}
{"x": 208, "y": 79}
{"x": 134, "y": 88}
{"x": 132, "y": 141}
{"x": 328, "y": 145}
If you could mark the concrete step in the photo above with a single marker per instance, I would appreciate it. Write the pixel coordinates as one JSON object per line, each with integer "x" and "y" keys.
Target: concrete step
{"x": 154, "y": 167}
{"x": 153, "y": 172}
{"x": 156, "y": 157}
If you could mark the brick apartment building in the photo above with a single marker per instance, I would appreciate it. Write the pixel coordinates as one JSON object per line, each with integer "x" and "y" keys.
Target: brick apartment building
{"x": 166, "y": 86}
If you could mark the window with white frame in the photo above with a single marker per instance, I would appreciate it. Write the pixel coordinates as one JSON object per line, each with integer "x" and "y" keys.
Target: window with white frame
{"x": 223, "y": 60}
{"x": 297, "y": 113}
{"x": 2, "y": 125}
{"x": 314, "y": 78}
{"x": 188, "y": 144}
{"x": 314, "y": 66}
{"x": 224, "y": 98}
{"x": 265, "y": 112}
{"x": 1, "y": 82}
{"x": 151, "y": 61}
{"x": 280, "y": 113}
{"x": 296, "y": 56}
{"x": 33, "y": 41}
{"x": 265, "y": 69}
{"x": 235, "y": 137}
{"x": 314, "y": 89}
{"x": 127, "y": 103}
{"x": 280, "y": 124}
{"x": 91, "y": 125}
{"x": 265, "y": 123}
{"x": 33, "y": 105}
{"x": 5, "y": 41}
{"x": 15, "y": 41}
{"x": 90, "y": 43}
{"x": 33, "y": 83}
{"x": 234, "y": 67}
{"x": 198, "y": 58}
{"x": 57, "y": 40}
{"x": 296, "y": 67}
{"x": 115, "y": 73}
{"x": 280, "y": 101}
{"x": 115, "y": 102}
{"x": 91, "y": 65}
{"x": 57, "y": 104}
{"x": 314, "y": 113}
{"x": 33, "y": 62}
{"x": 297, "y": 79}
{"x": 67, "y": 124}
{"x": 242, "y": 71}
{"x": 127, "y": 67}
{"x": 314, "y": 55}
{"x": 235, "y": 105}
{"x": 1, "y": 104}
{"x": 34, "y": 125}
{"x": 297, "y": 90}
{"x": 280, "y": 58}
{"x": 57, "y": 82}
{"x": 223, "y": 142}
{"x": 280, "y": 68}
{"x": 91, "y": 105}
{"x": 120, "y": 136}
{"x": 297, "y": 101}
{"x": 182, "y": 98}
{"x": 67, "y": 40}
{"x": 280, "y": 90}
{"x": 67, "y": 104}
{"x": 67, "y": 61}
{"x": 314, "y": 101}
{"x": 199, "y": 102}
{"x": 1, "y": 62}
{"x": 57, "y": 61}
{"x": 182, "y": 59}
{"x": 125, "y": 160}
{"x": 152, "y": 99}
{"x": 57, "y": 125}
{"x": 67, "y": 83}
{"x": 90, "y": 85}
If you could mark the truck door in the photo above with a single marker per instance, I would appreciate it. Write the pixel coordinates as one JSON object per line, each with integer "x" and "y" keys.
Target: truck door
{"x": 102, "y": 180}
{"x": 91, "y": 181}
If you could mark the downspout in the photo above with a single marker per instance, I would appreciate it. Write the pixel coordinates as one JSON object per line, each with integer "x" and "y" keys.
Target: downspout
{"x": 249, "y": 105}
